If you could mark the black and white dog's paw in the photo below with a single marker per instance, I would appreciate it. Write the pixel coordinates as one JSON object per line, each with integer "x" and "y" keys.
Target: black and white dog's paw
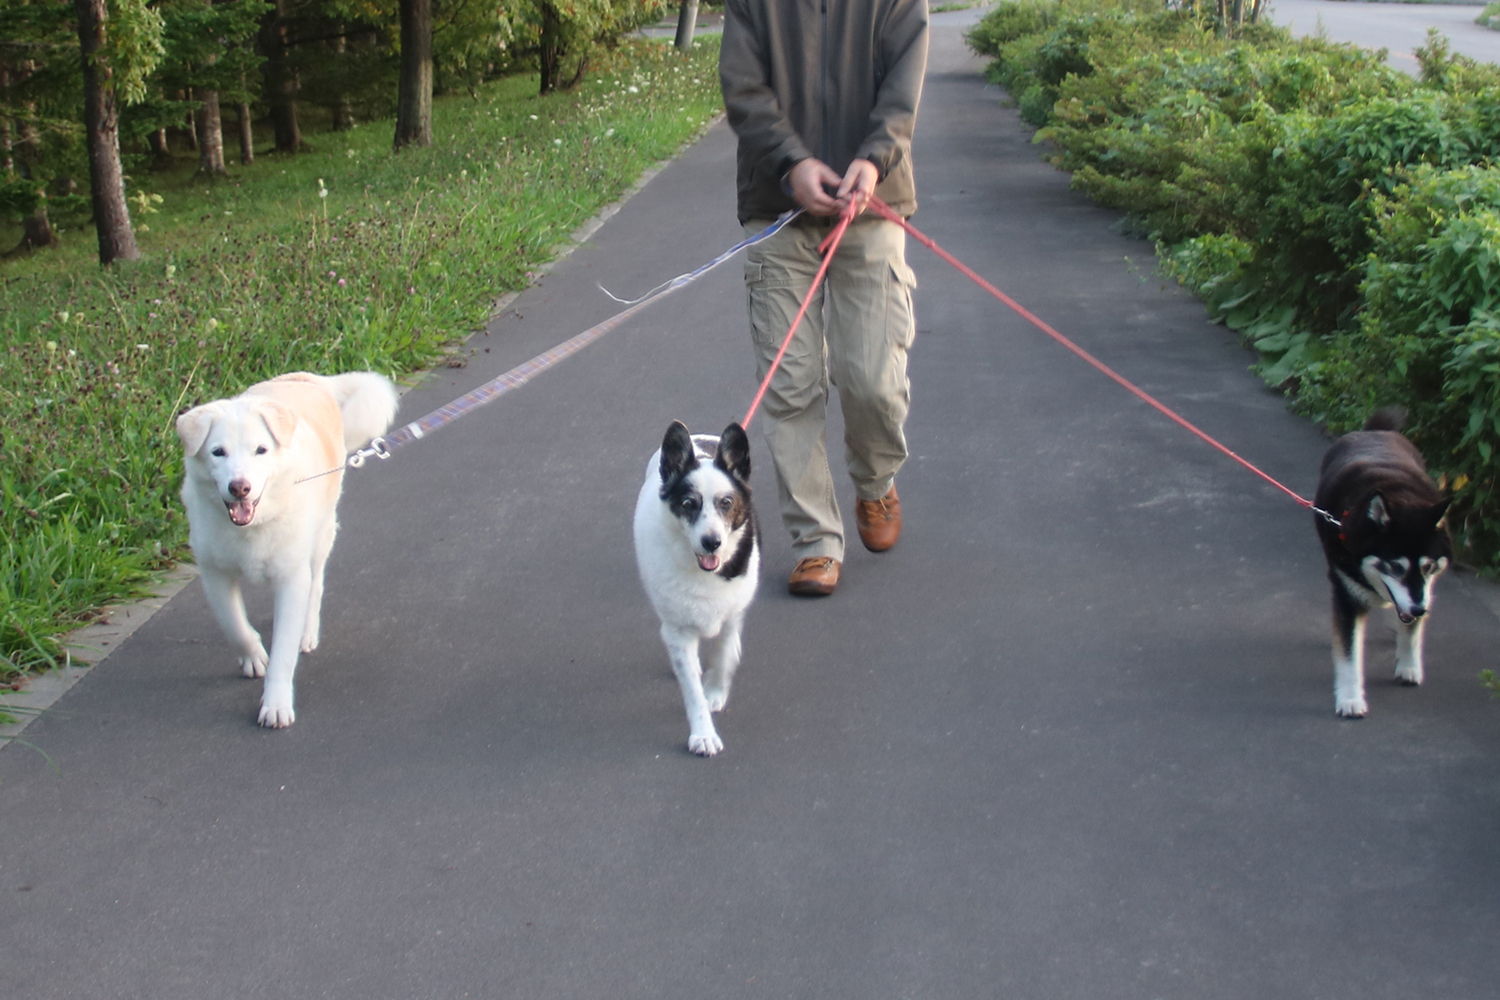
{"x": 254, "y": 664}
{"x": 1352, "y": 708}
{"x": 705, "y": 744}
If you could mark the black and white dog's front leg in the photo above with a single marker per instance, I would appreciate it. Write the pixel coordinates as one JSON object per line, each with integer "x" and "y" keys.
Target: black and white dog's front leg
{"x": 1349, "y": 618}
{"x": 682, "y": 647}
{"x": 721, "y": 673}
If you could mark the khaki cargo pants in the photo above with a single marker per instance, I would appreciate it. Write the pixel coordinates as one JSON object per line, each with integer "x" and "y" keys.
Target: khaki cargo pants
{"x": 856, "y": 334}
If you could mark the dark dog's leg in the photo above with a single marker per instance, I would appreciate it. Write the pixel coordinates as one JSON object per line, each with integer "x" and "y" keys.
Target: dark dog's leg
{"x": 1348, "y": 653}
{"x": 1409, "y": 651}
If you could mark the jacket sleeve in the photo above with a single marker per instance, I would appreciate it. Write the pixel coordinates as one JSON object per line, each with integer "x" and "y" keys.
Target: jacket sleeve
{"x": 903, "y": 54}
{"x": 753, "y": 110}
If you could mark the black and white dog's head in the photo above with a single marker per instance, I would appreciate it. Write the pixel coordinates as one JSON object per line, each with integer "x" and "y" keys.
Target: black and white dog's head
{"x": 711, "y": 501}
{"x": 1402, "y": 545}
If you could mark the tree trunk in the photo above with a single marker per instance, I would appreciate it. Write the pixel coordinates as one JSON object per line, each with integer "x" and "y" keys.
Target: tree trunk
{"x": 550, "y": 59}
{"x": 280, "y": 82}
{"x": 101, "y": 121}
{"x": 343, "y": 111}
{"x": 209, "y": 126}
{"x": 687, "y": 21}
{"x": 414, "y": 96}
{"x": 7, "y": 161}
{"x": 161, "y": 153}
{"x": 36, "y": 232}
{"x": 247, "y": 133}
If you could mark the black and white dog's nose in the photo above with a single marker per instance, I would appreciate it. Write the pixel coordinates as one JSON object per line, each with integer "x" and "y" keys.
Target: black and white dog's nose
{"x": 710, "y": 543}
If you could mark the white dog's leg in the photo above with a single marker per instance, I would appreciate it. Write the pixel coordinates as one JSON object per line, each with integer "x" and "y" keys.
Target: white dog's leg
{"x": 292, "y": 594}
{"x": 1349, "y": 670}
{"x": 682, "y": 647}
{"x": 321, "y": 549}
{"x": 228, "y": 605}
{"x": 726, "y": 658}
{"x": 1409, "y": 651}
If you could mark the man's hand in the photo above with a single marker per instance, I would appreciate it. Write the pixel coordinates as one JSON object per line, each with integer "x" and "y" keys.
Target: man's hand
{"x": 810, "y": 180}
{"x": 858, "y": 184}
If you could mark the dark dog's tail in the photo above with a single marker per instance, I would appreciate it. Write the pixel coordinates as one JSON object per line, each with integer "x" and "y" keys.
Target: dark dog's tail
{"x": 1387, "y": 418}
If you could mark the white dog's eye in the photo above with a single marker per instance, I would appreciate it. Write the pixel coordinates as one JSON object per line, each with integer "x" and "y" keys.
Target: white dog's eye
{"x": 219, "y": 452}
{"x": 260, "y": 450}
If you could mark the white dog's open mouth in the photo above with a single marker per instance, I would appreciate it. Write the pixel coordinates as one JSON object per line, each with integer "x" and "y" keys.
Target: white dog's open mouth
{"x": 708, "y": 563}
{"x": 241, "y": 512}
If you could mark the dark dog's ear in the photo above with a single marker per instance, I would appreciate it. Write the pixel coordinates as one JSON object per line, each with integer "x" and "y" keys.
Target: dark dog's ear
{"x": 1440, "y": 513}
{"x": 733, "y": 455}
{"x": 1377, "y": 512}
{"x": 677, "y": 456}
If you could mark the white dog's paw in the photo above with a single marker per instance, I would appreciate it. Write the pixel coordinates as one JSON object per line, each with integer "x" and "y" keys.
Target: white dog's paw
{"x": 309, "y": 641}
{"x": 1409, "y": 674}
{"x": 705, "y": 744}
{"x": 716, "y": 697}
{"x": 254, "y": 665}
{"x": 1352, "y": 708}
{"x": 276, "y": 710}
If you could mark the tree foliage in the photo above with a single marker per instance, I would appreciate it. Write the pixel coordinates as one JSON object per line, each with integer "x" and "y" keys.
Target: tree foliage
{"x": 275, "y": 59}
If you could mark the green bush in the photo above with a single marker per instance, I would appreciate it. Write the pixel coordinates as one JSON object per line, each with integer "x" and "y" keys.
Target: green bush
{"x": 1343, "y": 217}
{"x": 1428, "y": 337}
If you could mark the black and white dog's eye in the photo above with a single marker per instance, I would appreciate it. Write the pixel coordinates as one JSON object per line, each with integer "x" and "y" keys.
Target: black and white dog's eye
{"x": 726, "y": 504}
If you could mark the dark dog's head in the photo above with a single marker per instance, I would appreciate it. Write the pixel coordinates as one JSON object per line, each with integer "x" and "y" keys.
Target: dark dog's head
{"x": 1402, "y": 545}
{"x": 711, "y": 501}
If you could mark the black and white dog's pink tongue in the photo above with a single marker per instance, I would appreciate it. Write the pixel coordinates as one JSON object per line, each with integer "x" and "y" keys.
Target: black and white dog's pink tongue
{"x": 241, "y": 512}
{"x": 709, "y": 563}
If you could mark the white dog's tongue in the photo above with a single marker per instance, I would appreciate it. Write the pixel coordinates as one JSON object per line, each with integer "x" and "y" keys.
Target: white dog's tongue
{"x": 709, "y": 563}
{"x": 241, "y": 512}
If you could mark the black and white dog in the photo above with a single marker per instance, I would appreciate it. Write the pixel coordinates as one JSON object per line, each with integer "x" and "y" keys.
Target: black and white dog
{"x": 1386, "y": 540}
{"x": 698, "y": 550}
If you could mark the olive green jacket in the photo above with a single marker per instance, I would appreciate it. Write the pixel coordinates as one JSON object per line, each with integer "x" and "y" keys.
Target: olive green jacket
{"x": 836, "y": 79}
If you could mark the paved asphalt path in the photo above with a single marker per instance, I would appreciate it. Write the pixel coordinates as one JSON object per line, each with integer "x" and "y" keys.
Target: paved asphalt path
{"x": 1397, "y": 27}
{"x": 1072, "y": 738}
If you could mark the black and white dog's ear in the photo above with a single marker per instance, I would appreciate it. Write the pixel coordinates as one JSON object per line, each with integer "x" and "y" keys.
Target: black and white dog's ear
{"x": 677, "y": 456}
{"x": 733, "y": 455}
{"x": 1377, "y": 512}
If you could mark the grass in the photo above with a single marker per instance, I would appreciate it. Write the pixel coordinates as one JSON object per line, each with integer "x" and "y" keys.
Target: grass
{"x": 346, "y": 257}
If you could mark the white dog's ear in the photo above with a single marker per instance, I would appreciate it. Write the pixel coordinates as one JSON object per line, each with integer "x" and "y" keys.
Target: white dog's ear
{"x": 194, "y": 425}
{"x": 280, "y": 420}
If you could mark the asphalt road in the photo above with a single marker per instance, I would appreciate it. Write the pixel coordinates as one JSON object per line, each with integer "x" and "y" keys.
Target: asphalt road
{"x": 1397, "y": 27}
{"x": 1072, "y": 738}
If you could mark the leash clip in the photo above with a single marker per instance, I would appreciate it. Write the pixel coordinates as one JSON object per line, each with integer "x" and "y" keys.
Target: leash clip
{"x": 377, "y": 448}
{"x": 1328, "y": 517}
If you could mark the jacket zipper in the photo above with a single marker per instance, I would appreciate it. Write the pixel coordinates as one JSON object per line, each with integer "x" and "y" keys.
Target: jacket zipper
{"x": 823, "y": 154}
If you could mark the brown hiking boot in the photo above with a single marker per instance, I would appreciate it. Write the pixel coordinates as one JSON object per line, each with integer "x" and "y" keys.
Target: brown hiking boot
{"x": 815, "y": 576}
{"x": 879, "y": 521}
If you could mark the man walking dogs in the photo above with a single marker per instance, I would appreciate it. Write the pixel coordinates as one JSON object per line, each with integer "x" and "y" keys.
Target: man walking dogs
{"x": 823, "y": 97}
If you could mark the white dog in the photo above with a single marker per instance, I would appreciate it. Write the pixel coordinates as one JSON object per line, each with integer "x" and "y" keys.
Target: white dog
{"x": 255, "y": 517}
{"x": 698, "y": 550}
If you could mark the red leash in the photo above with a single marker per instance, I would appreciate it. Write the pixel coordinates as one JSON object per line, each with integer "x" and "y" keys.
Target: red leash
{"x": 827, "y": 248}
{"x": 882, "y": 209}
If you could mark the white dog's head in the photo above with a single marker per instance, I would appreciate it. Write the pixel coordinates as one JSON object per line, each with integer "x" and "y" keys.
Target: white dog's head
{"x": 234, "y": 444}
{"x": 712, "y": 502}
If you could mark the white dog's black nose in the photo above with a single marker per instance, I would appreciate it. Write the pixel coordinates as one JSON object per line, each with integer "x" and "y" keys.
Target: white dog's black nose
{"x": 239, "y": 488}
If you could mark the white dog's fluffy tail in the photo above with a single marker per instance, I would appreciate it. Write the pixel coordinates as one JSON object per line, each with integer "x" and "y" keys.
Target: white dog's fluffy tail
{"x": 367, "y": 401}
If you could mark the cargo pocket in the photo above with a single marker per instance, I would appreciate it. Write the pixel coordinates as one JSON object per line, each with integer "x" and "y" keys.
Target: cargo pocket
{"x": 901, "y": 323}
